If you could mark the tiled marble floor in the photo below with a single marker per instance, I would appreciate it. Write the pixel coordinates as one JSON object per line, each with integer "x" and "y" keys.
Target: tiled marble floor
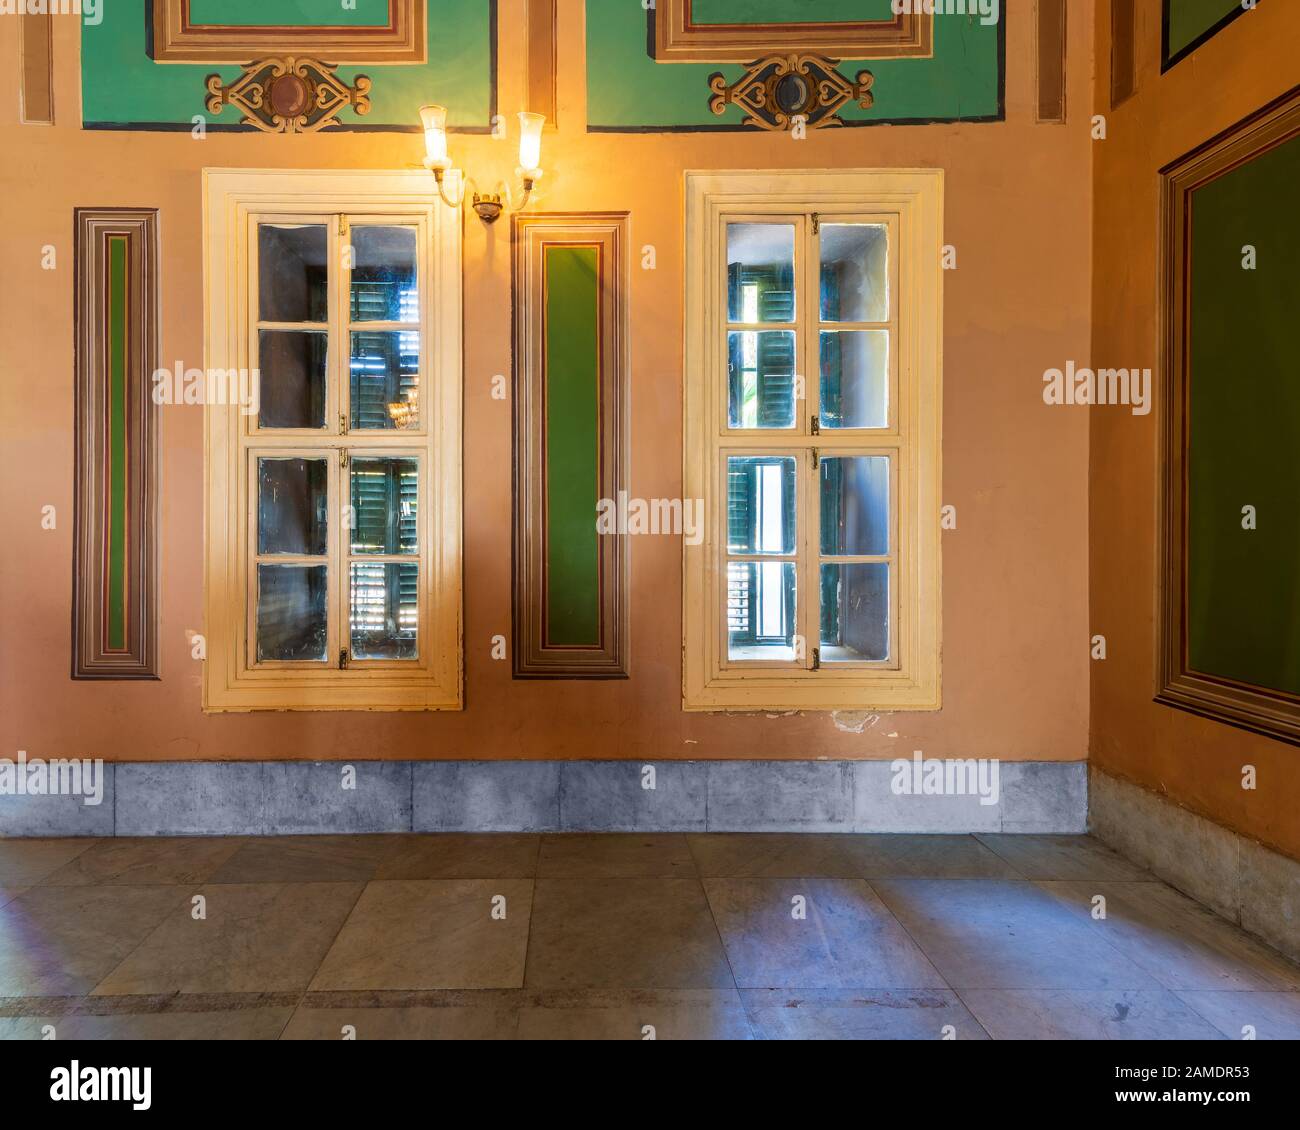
{"x": 556, "y": 937}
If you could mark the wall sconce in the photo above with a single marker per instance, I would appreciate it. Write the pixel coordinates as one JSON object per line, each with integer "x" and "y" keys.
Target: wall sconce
{"x": 488, "y": 205}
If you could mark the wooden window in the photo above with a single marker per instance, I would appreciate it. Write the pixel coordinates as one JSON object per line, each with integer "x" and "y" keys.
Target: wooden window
{"x": 812, "y": 437}
{"x": 334, "y": 493}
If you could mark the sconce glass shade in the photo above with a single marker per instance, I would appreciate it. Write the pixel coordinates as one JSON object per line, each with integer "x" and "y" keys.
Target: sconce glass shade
{"x": 435, "y": 136}
{"x": 530, "y": 141}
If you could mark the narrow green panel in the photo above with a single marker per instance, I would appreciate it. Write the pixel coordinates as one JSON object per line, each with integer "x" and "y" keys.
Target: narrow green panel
{"x": 628, "y": 90}
{"x": 122, "y": 86}
{"x": 301, "y": 13}
{"x": 116, "y": 519}
{"x": 1190, "y": 19}
{"x": 1243, "y": 615}
{"x": 572, "y": 445}
{"x": 788, "y": 11}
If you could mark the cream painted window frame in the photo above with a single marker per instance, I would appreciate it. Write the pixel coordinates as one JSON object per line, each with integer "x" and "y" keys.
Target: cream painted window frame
{"x": 913, "y": 200}
{"x": 233, "y": 200}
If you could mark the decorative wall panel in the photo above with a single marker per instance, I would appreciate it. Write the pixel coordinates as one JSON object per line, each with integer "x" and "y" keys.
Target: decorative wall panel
{"x": 234, "y": 31}
{"x": 632, "y": 90}
{"x": 736, "y": 31}
{"x": 1230, "y": 607}
{"x": 115, "y": 567}
{"x": 145, "y": 66}
{"x": 571, "y": 390}
{"x": 1050, "y": 40}
{"x": 1189, "y": 23}
{"x": 36, "y": 69}
{"x": 541, "y": 58}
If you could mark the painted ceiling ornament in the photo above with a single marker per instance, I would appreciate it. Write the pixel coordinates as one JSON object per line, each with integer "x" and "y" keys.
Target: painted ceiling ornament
{"x": 778, "y": 90}
{"x": 286, "y": 94}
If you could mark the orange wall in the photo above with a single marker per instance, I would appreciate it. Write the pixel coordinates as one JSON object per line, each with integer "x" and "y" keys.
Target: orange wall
{"x": 1015, "y": 668}
{"x": 1195, "y": 761}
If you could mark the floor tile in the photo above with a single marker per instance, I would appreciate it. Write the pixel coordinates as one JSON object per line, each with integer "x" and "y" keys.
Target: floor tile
{"x": 432, "y": 934}
{"x": 26, "y": 862}
{"x": 1271, "y": 1016}
{"x": 305, "y": 859}
{"x": 741, "y": 855}
{"x": 1181, "y": 944}
{"x": 877, "y": 1014}
{"x": 455, "y": 855}
{"x": 256, "y": 937}
{"x": 1062, "y": 857}
{"x": 231, "y": 1024}
{"x": 635, "y": 1014}
{"x": 482, "y": 1014}
{"x": 62, "y": 940}
{"x": 614, "y": 856}
{"x": 26, "y": 1027}
{"x": 624, "y": 934}
{"x": 1074, "y": 1014}
{"x": 148, "y": 859}
{"x": 904, "y": 856}
{"x": 846, "y": 939}
{"x": 999, "y": 934}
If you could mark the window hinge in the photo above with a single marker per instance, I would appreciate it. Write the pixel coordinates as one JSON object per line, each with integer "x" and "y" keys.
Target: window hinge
{"x": 816, "y": 457}
{"x": 343, "y": 422}
{"x": 344, "y": 458}
{"x": 343, "y": 659}
{"x": 343, "y": 225}
{"x": 817, "y": 659}
{"x": 817, "y": 223}
{"x": 815, "y": 425}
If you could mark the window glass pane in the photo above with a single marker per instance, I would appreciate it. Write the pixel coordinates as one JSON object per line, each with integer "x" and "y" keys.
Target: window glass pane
{"x": 855, "y": 379}
{"x": 855, "y": 273}
{"x": 855, "y": 612}
{"x": 760, "y": 378}
{"x": 385, "y": 493}
{"x": 760, "y": 610}
{"x": 292, "y": 621}
{"x": 383, "y": 275}
{"x": 385, "y": 379}
{"x": 291, "y": 387}
{"x": 385, "y": 601}
{"x": 760, "y": 273}
{"x": 293, "y": 272}
{"x": 760, "y": 504}
{"x": 292, "y": 499}
{"x": 855, "y": 505}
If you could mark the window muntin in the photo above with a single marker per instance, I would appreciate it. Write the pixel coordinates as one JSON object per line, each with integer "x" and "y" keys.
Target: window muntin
{"x": 797, "y": 289}
{"x": 337, "y": 549}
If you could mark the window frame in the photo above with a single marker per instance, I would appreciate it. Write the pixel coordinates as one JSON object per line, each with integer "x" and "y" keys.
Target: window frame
{"x": 235, "y": 201}
{"x": 911, "y": 203}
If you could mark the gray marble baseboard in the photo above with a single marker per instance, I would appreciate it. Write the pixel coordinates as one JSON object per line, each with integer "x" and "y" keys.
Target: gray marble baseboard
{"x": 1245, "y": 882}
{"x": 301, "y": 797}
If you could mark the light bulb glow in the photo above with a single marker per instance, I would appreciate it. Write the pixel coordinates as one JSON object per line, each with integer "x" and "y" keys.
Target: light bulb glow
{"x": 434, "y": 119}
{"x": 530, "y": 141}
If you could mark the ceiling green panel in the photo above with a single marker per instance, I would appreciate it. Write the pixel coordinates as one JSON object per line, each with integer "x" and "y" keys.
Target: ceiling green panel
{"x": 122, "y": 87}
{"x": 628, "y": 91}
{"x": 1186, "y": 21}
{"x": 788, "y": 11}
{"x": 300, "y": 13}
